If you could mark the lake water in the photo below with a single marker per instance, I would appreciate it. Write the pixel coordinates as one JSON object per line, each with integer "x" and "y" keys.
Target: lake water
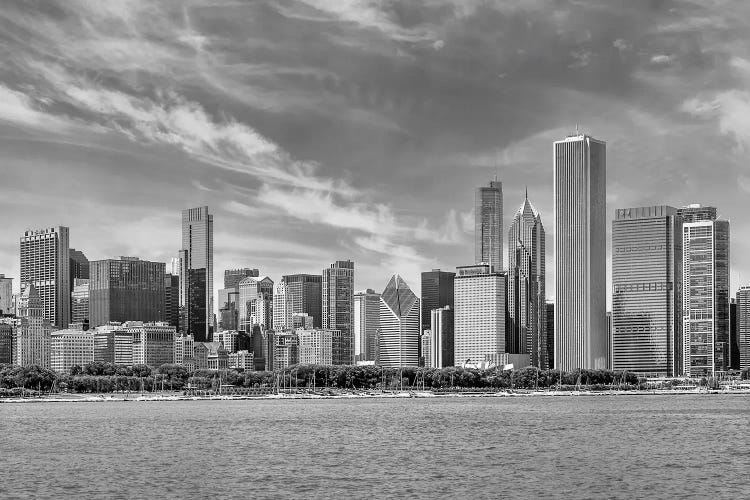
{"x": 563, "y": 447}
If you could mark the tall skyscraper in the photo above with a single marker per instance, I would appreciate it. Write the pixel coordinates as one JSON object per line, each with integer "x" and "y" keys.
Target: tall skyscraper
{"x": 79, "y": 265}
{"x": 172, "y": 299}
{"x": 126, "y": 289}
{"x": 488, "y": 225}
{"x": 252, "y": 305}
{"x": 198, "y": 269}
{"x": 45, "y": 263}
{"x": 580, "y": 187}
{"x": 479, "y": 317}
{"x": 526, "y": 286}
{"x": 265, "y": 288}
{"x": 705, "y": 271}
{"x": 32, "y": 337}
{"x": 743, "y": 326}
{"x": 550, "y": 313}
{"x": 646, "y": 287}
{"x": 399, "y": 325}
{"x": 437, "y": 292}
{"x": 338, "y": 304}
{"x": 441, "y": 338}
{"x": 6, "y": 294}
{"x": 79, "y": 300}
{"x": 232, "y": 277}
{"x": 734, "y": 341}
{"x": 305, "y": 291}
{"x": 282, "y": 307}
{"x": 366, "y": 324}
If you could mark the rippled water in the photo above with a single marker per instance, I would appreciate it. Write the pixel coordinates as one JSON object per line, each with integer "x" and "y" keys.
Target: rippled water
{"x": 562, "y": 447}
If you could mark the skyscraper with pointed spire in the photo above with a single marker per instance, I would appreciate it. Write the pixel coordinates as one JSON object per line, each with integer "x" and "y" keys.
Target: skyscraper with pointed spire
{"x": 488, "y": 225}
{"x": 526, "y": 286}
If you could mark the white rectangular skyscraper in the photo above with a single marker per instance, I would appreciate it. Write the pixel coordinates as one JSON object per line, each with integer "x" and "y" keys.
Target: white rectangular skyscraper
{"x": 580, "y": 253}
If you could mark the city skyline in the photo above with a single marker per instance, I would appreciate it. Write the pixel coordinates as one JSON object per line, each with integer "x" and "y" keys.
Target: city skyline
{"x": 368, "y": 152}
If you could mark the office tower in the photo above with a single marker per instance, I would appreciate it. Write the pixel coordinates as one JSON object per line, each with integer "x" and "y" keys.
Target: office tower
{"x": 437, "y": 292}
{"x": 338, "y": 304}
{"x": 229, "y": 308}
{"x": 172, "y": 299}
{"x": 441, "y": 333}
{"x": 228, "y": 339}
{"x": 302, "y": 320}
{"x": 184, "y": 351}
{"x": 79, "y": 301}
{"x": 734, "y": 341}
{"x": 252, "y": 305}
{"x": 112, "y": 344}
{"x": 285, "y": 351}
{"x": 320, "y": 347}
{"x": 6, "y": 295}
{"x": 580, "y": 253}
{"x": 232, "y": 277}
{"x": 425, "y": 342}
{"x": 743, "y": 326}
{"x": 479, "y": 316}
{"x": 32, "y": 337}
{"x": 6, "y": 341}
{"x": 45, "y": 263}
{"x": 488, "y": 225}
{"x": 366, "y": 324}
{"x": 126, "y": 289}
{"x": 79, "y": 265}
{"x": 646, "y": 283}
{"x": 305, "y": 291}
{"x": 153, "y": 342}
{"x": 705, "y": 294}
{"x": 197, "y": 279}
{"x": 399, "y": 325}
{"x": 526, "y": 286}
{"x": 69, "y": 348}
{"x": 550, "y": 313}
{"x": 282, "y": 307}
{"x": 265, "y": 288}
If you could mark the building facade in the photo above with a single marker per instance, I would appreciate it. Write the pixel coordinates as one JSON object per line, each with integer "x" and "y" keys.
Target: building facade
{"x": 441, "y": 338}
{"x": 232, "y": 277}
{"x": 126, "y": 289}
{"x": 338, "y": 305}
{"x": 526, "y": 286}
{"x": 488, "y": 225}
{"x": 437, "y": 292}
{"x": 580, "y": 168}
{"x": 31, "y": 344}
{"x": 282, "y": 307}
{"x": 45, "y": 263}
{"x": 197, "y": 269}
{"x": 305, "y": 291}
{"x": 153, "y": 343}
{"x": 366, "y": 324}
{"x": 321, "y": 347}
{"x": 69, "y": 348}
{"x": 79, "y": 301}
{"x": 252, "y": 306}
{"x": 743, "y": 326}
{"x": 112, "y": 344}
{"x": 479, "y": 316}
{"x": 705, "y": 295}
{"x": 184, "y": 351}
{"x": 399, "y": 325}
{"x": 6, "y": 295}
{"x": 172, "y": 299}
{"x": 7, "y": 325}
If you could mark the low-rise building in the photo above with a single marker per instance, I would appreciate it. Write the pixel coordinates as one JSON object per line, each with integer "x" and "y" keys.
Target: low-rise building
{"x": 184, "y": 351}
{"x": 153, "y": 343}
{"x": 241, "y": 359}
{"x": 228, "y": 339}
{"x": 112, "y": 344}
{"x": 69, "y": 348}
{"x": 211, "y": 356}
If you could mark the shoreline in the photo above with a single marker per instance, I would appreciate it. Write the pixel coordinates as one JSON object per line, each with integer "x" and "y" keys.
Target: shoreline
{"x": 108, "y": 398}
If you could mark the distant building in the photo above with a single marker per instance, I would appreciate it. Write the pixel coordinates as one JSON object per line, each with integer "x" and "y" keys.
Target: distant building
{"x": 252, "y": 306}
{"x": 321, "y": 347}
{"x": 79, "y": 269}
{"x": 79, "y": 299}
{"x": 705, "y": 294}
{"x": 241, "y": 360}
{"x": 45, "y": 263}
{"x": 69, "y": 348}
{"x": 211, "y": 356}
{"x": 228, "y": 308}
{"x": 580, "y": 188}
{"x": 6, "y": 342}
{"x": 172, "y": 299}
{"x": 488, "y": 225}
{"x": 153, "y": 343}
{"x": 743, "y": 326}
{"x": 437, "y": 292}
{"x": 302, "y": 320}
{"x": 734, "y": 341}
{"x": 441, "y": 333}
{"x": 338, "y": 305}
{"x": 32, "y": 336}
{"x": 366, "y": 324}
{"x": 282, "y": 307}
{"x": 285, "y": 350}
{"x": 426, "y": 345}
{"x": 232, "y": 277}
{"x": 112, "y": 344}
{"x": 197, "y": 272}
{"x": 184, "y": 351}
{"x": 549, "y": 308}
{"x": 126, "y": 289}
{"x": 399, "y": 325}
{"x": 228, "y": 339}
{"x": 479, "y": 317}
{"x": 6, "y": 295}
{"x": 305, "y": 291}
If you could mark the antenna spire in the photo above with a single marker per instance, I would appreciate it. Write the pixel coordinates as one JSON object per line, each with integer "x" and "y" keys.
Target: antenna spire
{"x": 527, "y": 192}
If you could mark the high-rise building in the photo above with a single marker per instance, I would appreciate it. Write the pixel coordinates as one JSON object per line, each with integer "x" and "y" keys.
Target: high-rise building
{"x": 366, "y": 324}
{"x": 79, "y": 300}
{"x": 32, "y": 337}
{"x": 265, "y": 288}
{"x": 437, "y": 292}
{"x": 425, "y": 342}
{"x": 526, "y": 286}
{"x": 126, "y": 289}
{"x": 172, "y": 299}
{"x": 488, "y": 225}
{"x": 282, "y": 307}
{"x": 550, "y": 313}
{"x": 197, "y": 281}
{"x": 338, "y": 304}
{"x": 285, "y": 350}
{"x": 646, "y": 286}
{"x": 580, "y": 170}
{"x": 6, "y": 340}
{"x": 228, "y": 308}
{"x": 6, "y": 295}
{"x": 320, "y": 347}
{"x": 305, "y": 291}
{"x": 45, "y": 263}
{"x": 112, "y": 344}
{"x": 479, "y": 316}
{"x": 252, "y": 305}
{"x": 743, "y": 326}
{"x": 232, "y": 277}
{"x": 441, "y": 333}
{"x": 228, "y": 339}
{"x": 69, "y": 348}
{"x": 734, "y": 341}
{"x": 184, "y": 351}
{"x": 705, "y": 294}
{"x": 79, "y": 265}
{"x": 399, "y": 325}
{"x": 153, "y": 343}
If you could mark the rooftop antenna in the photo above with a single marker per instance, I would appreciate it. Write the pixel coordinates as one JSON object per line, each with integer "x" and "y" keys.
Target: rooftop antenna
{"x": 577, "y": 129}
{"x": 527, "y": 191}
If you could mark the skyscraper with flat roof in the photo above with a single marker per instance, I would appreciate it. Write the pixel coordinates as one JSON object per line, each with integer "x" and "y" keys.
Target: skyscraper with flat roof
{"x": 526, "y": 286}
{"x": 580, "y": 187}
{"x": 6, "y": 294}
{"x": 366, "y": 324}
{"x": 646, "y": 283}
{"x": 338, "y": 305}
{"x": 45, "y": 263}
{"x": 305, "y": 291}
{"x": 198, "y": 268}
{"x": 743, "y": 326}
{"x": 488, "y": 225}
{"x": 705, "y": 306}
{"x": 437, "y": 292}
{"x": 399, "y": 325}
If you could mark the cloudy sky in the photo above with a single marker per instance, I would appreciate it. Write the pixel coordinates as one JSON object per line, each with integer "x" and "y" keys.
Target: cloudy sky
{"x": 331, "y": 129}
